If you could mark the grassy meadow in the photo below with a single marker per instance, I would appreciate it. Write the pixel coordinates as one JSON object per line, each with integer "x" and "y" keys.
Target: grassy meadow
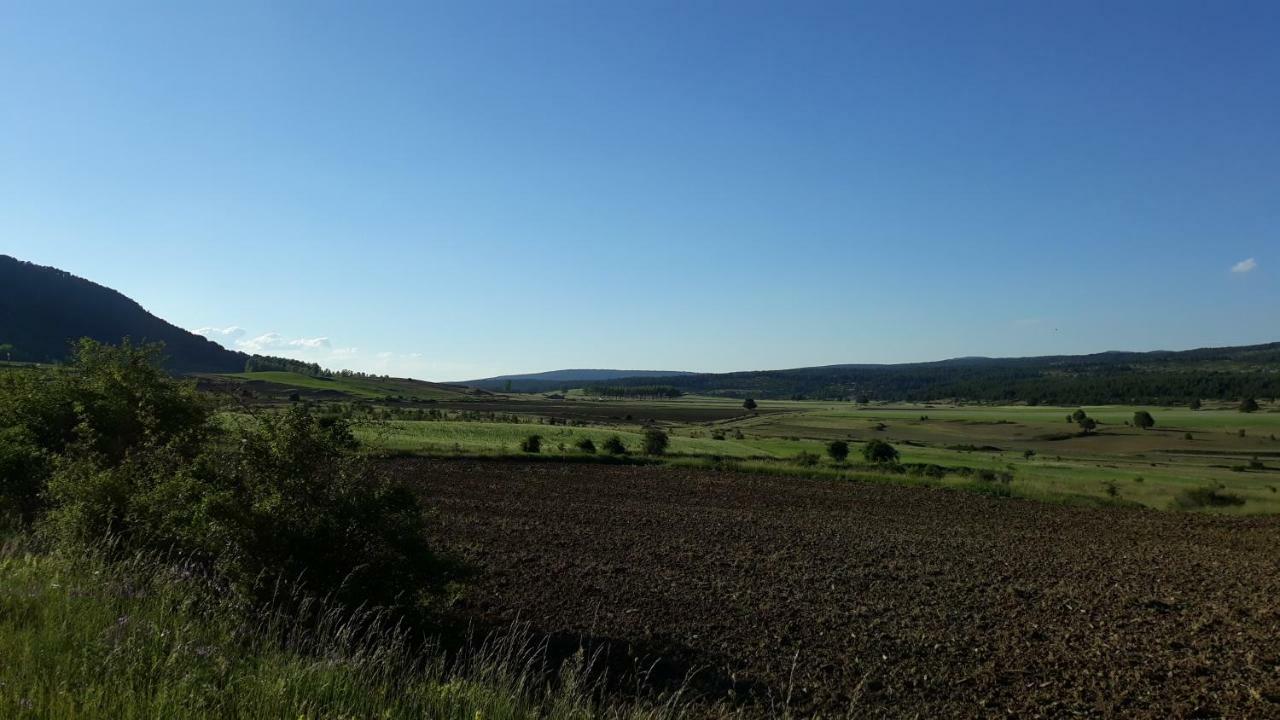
{"x": 1187, "y": 451}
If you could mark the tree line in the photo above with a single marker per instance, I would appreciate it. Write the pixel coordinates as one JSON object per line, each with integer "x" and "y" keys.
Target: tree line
{"x": 643, "y": 392}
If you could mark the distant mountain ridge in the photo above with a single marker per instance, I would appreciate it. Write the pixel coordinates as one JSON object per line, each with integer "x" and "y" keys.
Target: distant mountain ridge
{"x": 552, "y": 379}
{"x": 1158, "y": 376}
{"x": 44, "y": 309}
{"x": 1116, "y": 377}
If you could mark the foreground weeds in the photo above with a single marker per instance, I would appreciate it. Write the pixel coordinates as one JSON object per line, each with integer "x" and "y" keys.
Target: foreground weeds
{"x": 155, "y": 638}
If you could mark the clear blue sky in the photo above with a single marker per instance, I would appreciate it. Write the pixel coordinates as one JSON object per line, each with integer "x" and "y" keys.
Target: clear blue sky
{"x": 465, "y": 189}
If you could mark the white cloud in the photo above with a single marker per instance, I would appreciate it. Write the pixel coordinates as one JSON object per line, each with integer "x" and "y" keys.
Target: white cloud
{"x": 275, "y": 342}
{"x": 229, "y": 333}
{"x": 322, "y": 350}
{"x": 1244, "y": 266}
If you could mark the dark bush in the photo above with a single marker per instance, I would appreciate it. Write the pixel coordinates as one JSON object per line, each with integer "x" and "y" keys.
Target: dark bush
{"x": 655, "y": 442}
{"x": 1206, "y": 497}
{"x": 838, "y": 450}
{"x": 286, "y": 499}
{"x": 586, "y": 446}
{"x": 879, "y": 451}
{"x": 24, "y": 469}
{"x": 1248, "y": 405}
{"x": 531, "y": 444}
{"x": 613, "y": 445}
{"x": 806, "y": 459}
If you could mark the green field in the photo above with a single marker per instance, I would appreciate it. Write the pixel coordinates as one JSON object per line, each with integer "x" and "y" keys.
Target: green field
{"x": 1234, "y": 454}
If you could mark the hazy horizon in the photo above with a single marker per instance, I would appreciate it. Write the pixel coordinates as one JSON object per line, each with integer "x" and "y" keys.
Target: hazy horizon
{"x": 457, "y": 191}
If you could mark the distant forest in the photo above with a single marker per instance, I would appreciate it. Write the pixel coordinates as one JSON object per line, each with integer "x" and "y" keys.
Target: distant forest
{"x": 1106, "y": 378}
{"x": 646, "y": 392}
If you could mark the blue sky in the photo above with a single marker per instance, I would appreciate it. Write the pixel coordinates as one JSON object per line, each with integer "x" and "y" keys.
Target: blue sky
{"x": 455, "y": 190}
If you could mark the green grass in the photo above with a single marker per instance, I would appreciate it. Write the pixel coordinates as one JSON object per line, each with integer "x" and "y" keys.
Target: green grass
{"x": 1118, "y": 464}
{"x": 82, "y": 638}
{"x": 486, "y": 438}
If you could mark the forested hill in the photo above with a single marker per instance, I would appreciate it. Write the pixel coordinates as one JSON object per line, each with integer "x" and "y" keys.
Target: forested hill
{"x": 43, "y": 309}
{"x": 1229, "y": 373}
{"x": 555, "y": 379}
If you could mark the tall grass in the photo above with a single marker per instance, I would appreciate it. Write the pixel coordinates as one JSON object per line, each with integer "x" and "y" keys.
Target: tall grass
{"x": 151, "y": 637}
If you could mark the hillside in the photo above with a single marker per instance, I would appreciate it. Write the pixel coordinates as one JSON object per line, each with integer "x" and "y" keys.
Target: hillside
{"x": 43, "y": 309}
{"x": 1227, "y": 373}
{"x": 357, "y": 387}
{"x": 554, "y": 379}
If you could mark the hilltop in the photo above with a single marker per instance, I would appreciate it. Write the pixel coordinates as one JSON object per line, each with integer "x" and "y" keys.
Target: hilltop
{"x": 44, "y": 309}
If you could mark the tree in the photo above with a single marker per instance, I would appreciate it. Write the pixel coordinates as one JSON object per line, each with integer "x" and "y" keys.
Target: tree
{"x": 1078, "y": 416}
{"x": 749, "y": 404}
{"x": 586, "y": 446}
{"x": 531, "y": 444}
{"x": 1087, "y": 424}
{"x": 614, "y": 446}
{"x": 838, "y": 450}
{"x": 1248, "y": 405}
{"x": 1195, "y": 404}
{"x": 879, "y": 451}
{"x": 1143, "y": 419}
{"x": 655, "y": 442}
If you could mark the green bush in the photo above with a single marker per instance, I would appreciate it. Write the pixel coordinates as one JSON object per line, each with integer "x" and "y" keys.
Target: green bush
{"x": 531, "y": 444}
{"x": 24, "y": 468}
{"x": 655, "y": 442}
{"x": 285, "y": 500}
{"x": 613, "y": 445}
{"x": 838, "y": 450}
{"x": 806, "y": 459}
{"x": 879, "y": 451}
{"x": 586, "y": 446}
{"x": 1206, "y": 497}
{"x": 108, "y": 399}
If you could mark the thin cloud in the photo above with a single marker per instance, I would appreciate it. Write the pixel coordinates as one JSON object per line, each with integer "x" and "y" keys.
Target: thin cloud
{"x": 230, "y": 333}
{"x": 276, "y": 341}
{"x": 1244, "y": 266}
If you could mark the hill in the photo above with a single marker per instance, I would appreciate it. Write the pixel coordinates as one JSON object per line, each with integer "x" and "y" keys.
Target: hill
{"x": 278, "y": 384}
{"x": 1227, "y": 373}
{"x": 43, "y": 309}
{"x": 554, "y": 379}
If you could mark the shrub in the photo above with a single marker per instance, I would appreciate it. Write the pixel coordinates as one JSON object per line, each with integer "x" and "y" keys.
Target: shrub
{"x": 1248, "y": 405}
{"x": 613, "y": 445}
{"x": 106, "y": 401}
{"x": 24, "y": 469}
{"x": 838, "y": 450}
{"x": 109, "y": 399}
{"x": 1206, "y": 497}
{"x": 879, "y": 451}
{"x": 749, "y": 404}
{"x": 531, "y": 444}
{"x": 655, "y": 442}
{"x": 286, "y": 500}
{"x": 1143, "y": 419}
{"x": 586, "y": 446}
{"x": 1188, "y": 436}
{"x": 806, "y": 459}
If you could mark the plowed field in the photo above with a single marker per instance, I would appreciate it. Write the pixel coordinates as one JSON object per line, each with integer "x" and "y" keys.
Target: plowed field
{"x": 874, "y": 600}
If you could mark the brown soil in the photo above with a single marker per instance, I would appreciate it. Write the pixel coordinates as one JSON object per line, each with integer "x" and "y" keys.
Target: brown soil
{"x": 874, "y": 600}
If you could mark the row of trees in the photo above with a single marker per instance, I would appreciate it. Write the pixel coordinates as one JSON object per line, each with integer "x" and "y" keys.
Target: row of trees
{"x": 637, "y": 392}
{"x": 271, "y": 363}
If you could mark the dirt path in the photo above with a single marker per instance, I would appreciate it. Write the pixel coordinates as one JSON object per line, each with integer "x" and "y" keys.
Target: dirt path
{"x": 877, "y": 600}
